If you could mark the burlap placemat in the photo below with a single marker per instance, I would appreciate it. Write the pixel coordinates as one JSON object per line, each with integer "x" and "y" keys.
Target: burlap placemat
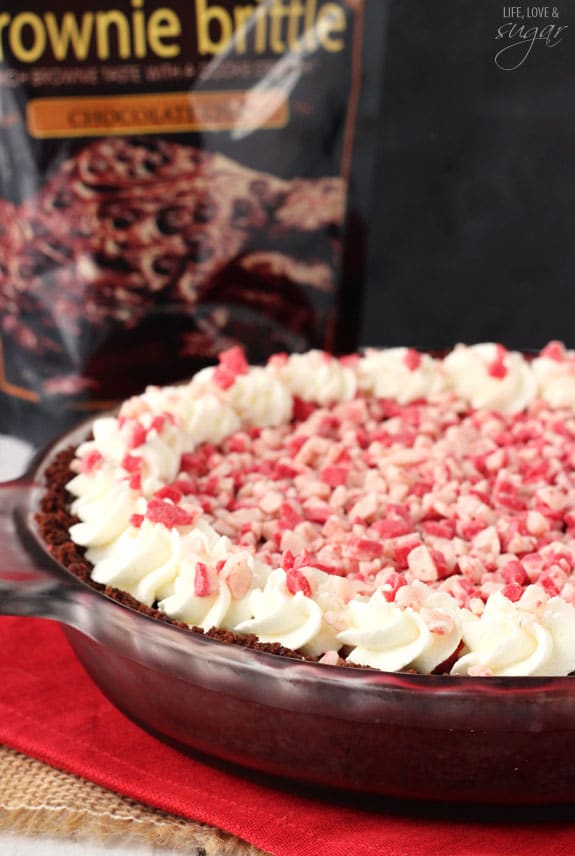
{"x": 38, "y": 800}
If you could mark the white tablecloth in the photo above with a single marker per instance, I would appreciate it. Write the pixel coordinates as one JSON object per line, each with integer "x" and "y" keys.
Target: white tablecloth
{"x": 12, "y": 845}
{"x": 14, "y": 457}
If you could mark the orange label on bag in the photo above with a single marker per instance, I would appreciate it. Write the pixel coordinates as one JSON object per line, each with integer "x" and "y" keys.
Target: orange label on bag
{"x": 157, "y": 113}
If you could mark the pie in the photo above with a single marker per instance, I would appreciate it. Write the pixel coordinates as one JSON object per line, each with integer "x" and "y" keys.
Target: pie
{"x": 388, "y": 510}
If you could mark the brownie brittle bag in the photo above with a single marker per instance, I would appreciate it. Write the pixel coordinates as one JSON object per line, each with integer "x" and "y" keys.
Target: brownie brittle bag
{"x": 175, "y": 178}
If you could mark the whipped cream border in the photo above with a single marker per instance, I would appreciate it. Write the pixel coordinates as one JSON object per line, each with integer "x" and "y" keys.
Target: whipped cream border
{"x": 137, "y": 453}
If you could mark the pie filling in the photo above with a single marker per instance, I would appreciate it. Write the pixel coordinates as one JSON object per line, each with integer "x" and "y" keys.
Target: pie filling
{"x": 390, "y": 509}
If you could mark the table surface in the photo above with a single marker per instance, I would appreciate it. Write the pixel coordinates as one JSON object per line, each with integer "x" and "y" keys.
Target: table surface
{"x": 14, "y": 456}
{"x": 16, "y": 845}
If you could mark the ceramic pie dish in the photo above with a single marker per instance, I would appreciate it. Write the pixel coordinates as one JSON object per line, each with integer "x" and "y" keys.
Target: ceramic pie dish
{"x": 433, "y": 737}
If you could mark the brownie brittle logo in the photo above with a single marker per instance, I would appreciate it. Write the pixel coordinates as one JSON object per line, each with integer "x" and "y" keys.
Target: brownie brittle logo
{"x": 525, "y": 29}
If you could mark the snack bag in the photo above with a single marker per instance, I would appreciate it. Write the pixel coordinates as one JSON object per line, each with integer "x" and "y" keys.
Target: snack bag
{"x": 176, "y": 178}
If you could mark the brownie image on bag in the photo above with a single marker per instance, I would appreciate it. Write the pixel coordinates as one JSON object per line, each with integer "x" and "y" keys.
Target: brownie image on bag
{"x": 131, "y": 231}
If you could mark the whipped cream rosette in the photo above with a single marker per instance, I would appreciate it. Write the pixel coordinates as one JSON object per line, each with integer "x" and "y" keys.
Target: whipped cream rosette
{"x": 554, "y": 371}
{"x": 391, "y": 509}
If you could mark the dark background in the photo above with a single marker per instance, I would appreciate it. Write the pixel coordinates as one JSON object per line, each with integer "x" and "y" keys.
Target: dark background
{"x": 473, "y": 228}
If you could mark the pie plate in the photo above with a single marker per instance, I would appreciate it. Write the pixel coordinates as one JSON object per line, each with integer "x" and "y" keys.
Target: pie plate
{"x": 465, "y": 739}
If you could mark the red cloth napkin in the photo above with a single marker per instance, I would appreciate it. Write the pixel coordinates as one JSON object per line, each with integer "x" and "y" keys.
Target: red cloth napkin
{"x": 51, "y": 710}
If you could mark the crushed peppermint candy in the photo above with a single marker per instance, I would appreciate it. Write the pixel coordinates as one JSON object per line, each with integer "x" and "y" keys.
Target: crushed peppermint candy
{"x": 202, "y": 587}
{"x": 297, "y": 581}
{"x": 470, "y": 502}
{"x": 498, "y": 368}
{"x": 461, "y": 503}
{"x": 232, "y": 364}
{"x": 169, "y": 515}
{"x": 412, "y": 359}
